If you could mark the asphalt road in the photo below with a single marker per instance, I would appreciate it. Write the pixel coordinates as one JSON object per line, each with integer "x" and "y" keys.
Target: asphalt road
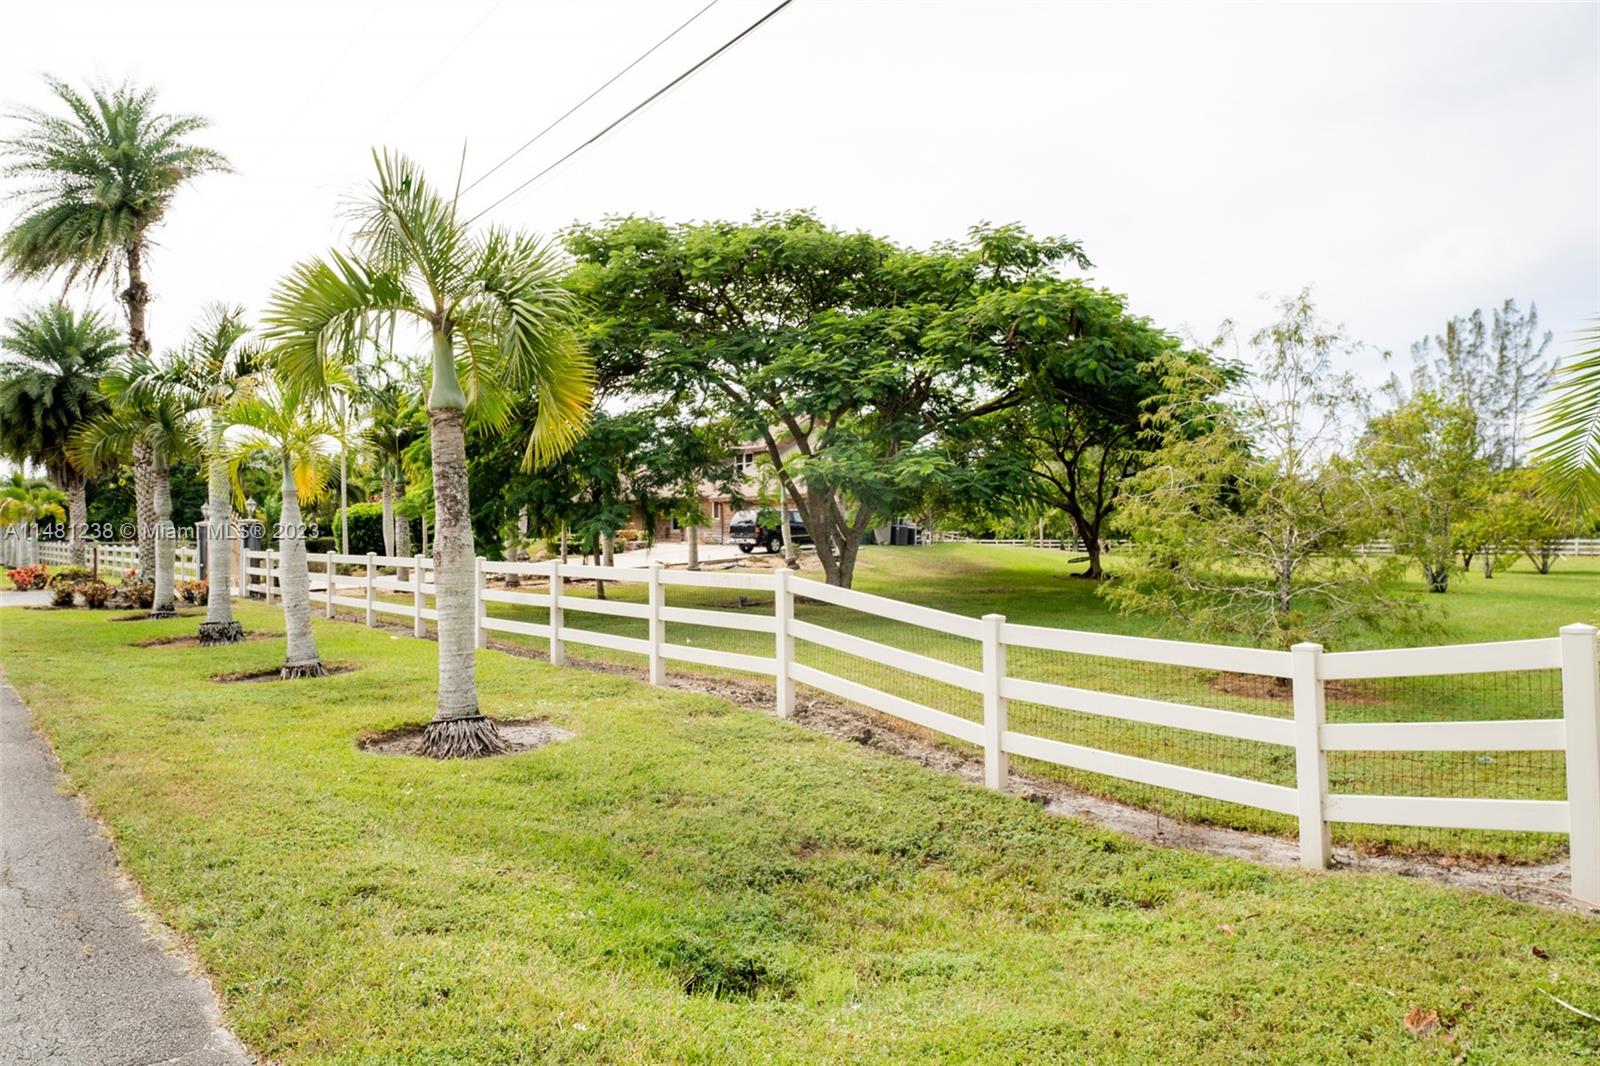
{"x": 82, "y": 981}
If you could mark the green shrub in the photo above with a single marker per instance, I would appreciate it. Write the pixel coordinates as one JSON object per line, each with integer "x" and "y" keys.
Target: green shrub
{"x": 366, "y": 530}
{"x": 69, "y": 576}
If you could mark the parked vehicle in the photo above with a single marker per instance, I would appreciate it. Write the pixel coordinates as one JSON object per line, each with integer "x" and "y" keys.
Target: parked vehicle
{"x": 760, "y": 529}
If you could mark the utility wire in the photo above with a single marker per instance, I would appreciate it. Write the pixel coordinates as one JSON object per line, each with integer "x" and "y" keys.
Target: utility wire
{"x": 409, "y": 93}
{"x": 636, "y": 108}
{"x": 608, "y": 83}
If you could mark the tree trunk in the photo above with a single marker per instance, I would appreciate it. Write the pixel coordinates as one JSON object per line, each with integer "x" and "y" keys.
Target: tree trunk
{"x": 300, "y": 658}
{"x": 607, "y": 556}
{"x": 71, "y": 482}
{"x": 219, "y": 626}
{"x": 135, "y": 298}
{"x": 388, "y": 516}
{"x": 166, "y": 540}
{"x": 693, "y": 538}
{"x": 790, "y": 558}
{"x": 458, "y": 729}
{"x": 1090, "y": 535}
{"x": 144, "y": 510}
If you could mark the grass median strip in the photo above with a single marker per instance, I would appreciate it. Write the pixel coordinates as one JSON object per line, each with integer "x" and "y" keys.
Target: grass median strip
{"x": 686, "y": 881}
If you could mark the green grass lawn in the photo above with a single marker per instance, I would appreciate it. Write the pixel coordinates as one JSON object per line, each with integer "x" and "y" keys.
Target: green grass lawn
{"x": 685, "y": 881}
{"x": 1036, "y": 587}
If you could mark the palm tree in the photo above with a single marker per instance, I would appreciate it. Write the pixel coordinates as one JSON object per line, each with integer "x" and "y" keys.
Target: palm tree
{"x": 23, "y": 505}
{"x": 500, "y": 325}
{"x": 394, "y": 420}
{"x": 281, "y": 425}
{"x": 95, "y": 183}
{"x": 156, "y": 429}
{"x": 1569, "y": 456}
{"x": 49, "y": 386}
{"x": 215, "y": 367}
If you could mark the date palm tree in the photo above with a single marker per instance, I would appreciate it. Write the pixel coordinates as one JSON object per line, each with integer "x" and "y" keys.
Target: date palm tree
{"x": 49, "y": 386}
{"x": 281, "y": 424}
{"x": 155, "y": 429}
{"x": 500, "y": 326}
{"x": 216, "y": 366}
{"x": 94, "y": 184}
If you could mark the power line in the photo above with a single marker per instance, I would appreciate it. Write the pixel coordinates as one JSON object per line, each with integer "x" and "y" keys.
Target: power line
{"x": 609, "y": 82}
{"x": 636, "y": 108}
{"x": 476, "y": 26}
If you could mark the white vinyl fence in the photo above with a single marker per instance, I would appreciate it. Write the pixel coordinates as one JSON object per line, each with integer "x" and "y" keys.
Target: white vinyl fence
{"x": 1565, "y": 548}
{"x": 112, "y": 560}
{"x": 363, "y": 582}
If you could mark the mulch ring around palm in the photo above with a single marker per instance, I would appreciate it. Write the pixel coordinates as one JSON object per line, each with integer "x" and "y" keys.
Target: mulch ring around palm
{"x": 275, "y": 673}
{"x": 191, "y": 640}
{"x": 519, "y": 737}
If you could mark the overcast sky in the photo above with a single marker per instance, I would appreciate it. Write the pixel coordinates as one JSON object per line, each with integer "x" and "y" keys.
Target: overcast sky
{"x": 1409, "y": 162}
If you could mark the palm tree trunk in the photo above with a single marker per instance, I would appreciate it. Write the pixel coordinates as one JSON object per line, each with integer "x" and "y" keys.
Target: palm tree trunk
{"x": 166, "y": 540}
{"x": 388, "y": 515}
{"x": 300, "y": 658}
{"x": 77, "y": 515}
{"x": 458, "y": 728}
{"x": 219, "y": 626}
{"x": 134, "y": 299}
{"x": 144, "y": 510}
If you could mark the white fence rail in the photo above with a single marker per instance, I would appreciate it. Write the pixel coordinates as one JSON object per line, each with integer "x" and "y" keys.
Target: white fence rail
{"x": 361, "y": 582}
{"x": 111, "y": 560}
{"x": 1565, "y": 548}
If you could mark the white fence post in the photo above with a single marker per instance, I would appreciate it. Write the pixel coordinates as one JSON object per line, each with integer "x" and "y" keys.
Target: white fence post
{"x": 417, "y": 629}
{"x": 1580, "y": 704}
{"x": 266, "y": 594}
{"x": 783, "y": 614}
{"x": 1310, "y": 762}
{"x": 372, "y": 588}
{"x": 996, "y": 768}
{"x": 657, "y": 628}
{"x": 558, "y": 651}
{"x": 332, "y": 571}
{"x": 480, "y": 606}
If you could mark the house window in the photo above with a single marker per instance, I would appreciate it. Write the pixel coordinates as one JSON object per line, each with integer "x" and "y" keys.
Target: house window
{"x": 716, "y": 510}
{"x": 744, "y": 462}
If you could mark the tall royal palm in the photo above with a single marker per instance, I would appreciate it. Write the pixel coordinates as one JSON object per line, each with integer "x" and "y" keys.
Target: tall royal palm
{"x": 500, "y": 326}
{"x": 280, "y": 424}
{"x": 215, "y": 367}
{"x": 94, "y": 183}
{"x": 154, "y": 430}
{"x": 50, "y": 372}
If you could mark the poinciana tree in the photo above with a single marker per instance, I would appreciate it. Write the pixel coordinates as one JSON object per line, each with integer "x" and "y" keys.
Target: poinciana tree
{"x": 281, "y": 424}
{"x": 155, "y": 430}
{"x": 49, "y": 386}
{"x": 500, "y": 326}
{"x": 94, "y": 183}
{"x": 215, "y": 367}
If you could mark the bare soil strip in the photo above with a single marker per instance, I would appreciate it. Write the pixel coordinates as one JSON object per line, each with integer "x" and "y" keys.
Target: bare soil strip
{"x": 274, "y": 673}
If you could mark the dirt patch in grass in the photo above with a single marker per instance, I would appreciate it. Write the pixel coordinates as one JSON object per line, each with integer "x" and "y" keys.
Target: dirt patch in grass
{"x": 520, "y": 736}
{"x": 144, "y": 616}
{"x": 275, "y": 673}
{"x": 1259, "y": 687}
{"x": 192, "y": 640}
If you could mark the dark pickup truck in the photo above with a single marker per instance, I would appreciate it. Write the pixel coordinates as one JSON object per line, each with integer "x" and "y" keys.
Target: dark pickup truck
{"x": 759, "y": 529}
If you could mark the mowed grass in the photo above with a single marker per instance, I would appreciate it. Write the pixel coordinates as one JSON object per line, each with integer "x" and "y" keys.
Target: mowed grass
{"x": 685, "y": 881}
{"x": 1037, "y": 587}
